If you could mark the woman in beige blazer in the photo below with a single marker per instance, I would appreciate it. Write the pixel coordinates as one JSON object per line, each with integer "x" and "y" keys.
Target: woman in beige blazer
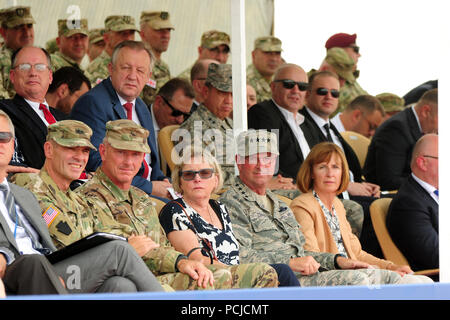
{"x": 323, "y": 175}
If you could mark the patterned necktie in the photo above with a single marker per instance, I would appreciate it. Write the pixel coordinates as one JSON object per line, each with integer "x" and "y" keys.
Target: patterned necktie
{"x": 47, "y": 114}
{"x": 11, "y": 207}
{"x": 327, "y": 129}
{"x": 129, "y": 107}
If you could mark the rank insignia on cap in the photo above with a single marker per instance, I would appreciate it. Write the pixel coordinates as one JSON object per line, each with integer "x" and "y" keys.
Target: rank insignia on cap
{"x": 126, "y": 19}
{"x": 20, "y": 12}
{"x": 50, "y": 214}
{"x": 164, "y": 15}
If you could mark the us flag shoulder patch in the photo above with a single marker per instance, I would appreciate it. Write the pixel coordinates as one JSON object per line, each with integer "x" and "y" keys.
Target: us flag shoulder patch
{"x": 50, "y": 214}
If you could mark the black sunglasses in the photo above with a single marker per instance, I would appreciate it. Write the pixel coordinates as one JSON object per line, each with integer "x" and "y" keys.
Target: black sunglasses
{"x": 189, "y": 175}
{"x": 5, "y": 137}
{"x": 324, "y": 92}
{"x": 289, "y": 84}
{"x": 355, "y": 48}
{"x": 175, "y": 112}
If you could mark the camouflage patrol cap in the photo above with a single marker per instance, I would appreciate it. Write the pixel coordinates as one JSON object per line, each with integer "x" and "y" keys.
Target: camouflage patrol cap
{"x": 213, "y": 38}
{"x": 256, "y": 141}
{"x": 157, "y": 19}
{"x": 268, "y": 44}
{"x": 120, "y": 23}
{"x": 391, "y": 102}
{"x": 341, "y": 62}
{"x": 127, "y": 135}
{"x": 96, "y": 35}
{"x": 68, "y": 28}
{"x": 219, "y": 77}
{"x": 70, "y": 133}
{"x": 16, "y": 16}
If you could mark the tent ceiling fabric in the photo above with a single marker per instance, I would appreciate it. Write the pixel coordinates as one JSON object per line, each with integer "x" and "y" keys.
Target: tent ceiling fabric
{"x": 190, "y": 17}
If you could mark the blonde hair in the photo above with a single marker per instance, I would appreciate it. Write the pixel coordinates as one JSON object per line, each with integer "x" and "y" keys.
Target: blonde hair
{"x": 189, "y": 154}
{"x": 322, "y": 152}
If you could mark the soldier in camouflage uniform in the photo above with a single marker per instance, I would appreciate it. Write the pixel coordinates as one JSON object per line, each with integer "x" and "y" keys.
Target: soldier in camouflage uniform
{"x": 96, "y": 43}
{"x": 72, "y": 42}
{"x": 266, "y": 57}
{"x": 155, "y": 31}
{"x": 134, "y": 216}
{"x": 267, "y": 230}
{"x": 117, "y": 29}
{"x": 17, "y": 31}
{"x": 210, "y": 126}
{"x": 392, "y": 103}
{"x": 51, "y": 46}
{"x": 213, "y": 45}
{"x": 67, "y": 216}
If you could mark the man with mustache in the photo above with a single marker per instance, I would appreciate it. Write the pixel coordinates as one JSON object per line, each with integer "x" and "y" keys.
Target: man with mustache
{"x": 117, "y": 97}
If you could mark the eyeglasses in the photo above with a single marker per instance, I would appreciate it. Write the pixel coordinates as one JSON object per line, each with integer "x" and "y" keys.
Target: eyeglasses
{"x": 5, "y": 137}
{"x": 289, "y": 84}
{"x": 25, "y": 67}
{"x": 324, "y": 92}
{"x": 189, "y": 175}
{"x": 175, "y": 112}
{"x": 355, "y": 48}
{"x": 428, "y": 156}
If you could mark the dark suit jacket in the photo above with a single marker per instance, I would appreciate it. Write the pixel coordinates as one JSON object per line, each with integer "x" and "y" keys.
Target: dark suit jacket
{"x": 413, "y": 224}
{"x": 266, "y": 115}
{"x": 32, "y": 211}
{"x": 389, "y": 154}
{"x": 100, "y": 105}
{"x": 352, "y": 158}
{"x": 30, "y": 131}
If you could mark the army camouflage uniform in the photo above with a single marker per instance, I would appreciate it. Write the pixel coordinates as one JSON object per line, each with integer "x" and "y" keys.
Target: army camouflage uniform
{"x": 186, "y": 74}
{"x": 205, "y": 125}
{"x": 348, "y": 92}
{"x": 7, "y": 90}
{"x": 134, "y": 213}
{"x": 51, "y": 46}
{"x": 60, "y": 60}
{"x": 97, "y": 70}
{"x": 160, "y": 75}
{"x": 259, "y": 83}
{"x": 254, "y": 77}
{"x": 275, "y": 237}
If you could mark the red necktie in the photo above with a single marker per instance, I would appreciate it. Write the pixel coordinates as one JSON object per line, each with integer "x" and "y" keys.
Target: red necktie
{"x": 47, "y": 115}
{"x": 129, "y": 107}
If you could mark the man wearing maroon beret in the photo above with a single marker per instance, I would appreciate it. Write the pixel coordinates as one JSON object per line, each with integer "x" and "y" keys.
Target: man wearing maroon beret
{"x": 351, "y": 89}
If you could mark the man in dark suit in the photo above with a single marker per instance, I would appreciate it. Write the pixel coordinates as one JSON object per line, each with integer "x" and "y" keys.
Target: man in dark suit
{"x": 412, "y": 219}
{"x": 24, "y": 240}
{"x": 281, "y": 113}
{"x": 389, "y": 155}
{"x": 117, "y": 97}
{"x": 321, "y": 101}
{"x": 31, "y": 76}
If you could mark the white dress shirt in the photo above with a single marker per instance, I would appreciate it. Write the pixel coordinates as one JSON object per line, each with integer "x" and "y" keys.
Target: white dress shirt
{"x": 336, "y": 120}
{"x": 23, "y": 241}
{"x": 39, "y": 112}
{"x": 135, "y": 118}
{"x": 428, "y": 187}
{"x": 294, "y": 124}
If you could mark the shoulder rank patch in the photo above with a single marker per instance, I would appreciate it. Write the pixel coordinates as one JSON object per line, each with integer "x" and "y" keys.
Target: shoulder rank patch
{"x": 64, "y": 228}
{"x": 50, "y": 214}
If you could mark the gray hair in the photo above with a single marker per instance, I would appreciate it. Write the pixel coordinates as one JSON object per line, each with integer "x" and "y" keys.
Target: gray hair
{"x": 135, "y": 45}
{"x": 8, "y": 119}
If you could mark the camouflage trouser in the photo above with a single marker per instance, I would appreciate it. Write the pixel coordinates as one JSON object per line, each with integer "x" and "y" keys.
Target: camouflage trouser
{"x": 361, "y": 277}
{"x": 251, "y": 275}
{"x": 355, "y": 215}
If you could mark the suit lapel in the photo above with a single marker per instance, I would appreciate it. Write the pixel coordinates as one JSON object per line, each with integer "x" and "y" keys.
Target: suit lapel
{"x": 413, "y": 125}
{"x": 27, "y": 110}
{"x": 7, "y": 231}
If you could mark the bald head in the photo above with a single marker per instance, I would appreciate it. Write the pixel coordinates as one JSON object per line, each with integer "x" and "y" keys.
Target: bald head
{"x": 424, "y": 161}
{"x": 293, "y": 98}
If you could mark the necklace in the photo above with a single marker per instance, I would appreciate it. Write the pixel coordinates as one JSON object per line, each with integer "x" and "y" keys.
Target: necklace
{"x": 210, "y": 216}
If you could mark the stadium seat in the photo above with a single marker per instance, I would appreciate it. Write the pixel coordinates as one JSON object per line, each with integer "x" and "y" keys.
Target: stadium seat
{"x": 359, "y": 144}
{"x": 166, "y": 144}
